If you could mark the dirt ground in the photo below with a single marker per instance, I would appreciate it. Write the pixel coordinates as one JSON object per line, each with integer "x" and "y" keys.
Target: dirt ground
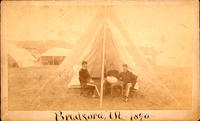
{"x": 24, "y": 92}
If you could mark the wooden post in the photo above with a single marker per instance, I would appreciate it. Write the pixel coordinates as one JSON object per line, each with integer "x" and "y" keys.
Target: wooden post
{"x": 103, "y": 63}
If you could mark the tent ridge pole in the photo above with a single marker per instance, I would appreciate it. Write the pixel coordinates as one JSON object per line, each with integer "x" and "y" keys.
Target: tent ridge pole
{"x": 103, "y": 62}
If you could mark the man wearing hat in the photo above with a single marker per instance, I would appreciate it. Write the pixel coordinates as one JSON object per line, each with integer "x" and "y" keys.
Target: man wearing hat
{"x": 84, "y": 77}
{"x": 129, "y": 80}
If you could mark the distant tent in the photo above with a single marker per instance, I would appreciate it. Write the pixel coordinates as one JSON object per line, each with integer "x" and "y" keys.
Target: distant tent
{"x": 34, "y": 52}
{"x": 12, "y": 62}
{"x": 54, "y": 56}
{"x": 19, "y": 57}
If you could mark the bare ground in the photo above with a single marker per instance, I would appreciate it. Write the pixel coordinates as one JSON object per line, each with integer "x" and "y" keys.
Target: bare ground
{"x": 24, "y": 92}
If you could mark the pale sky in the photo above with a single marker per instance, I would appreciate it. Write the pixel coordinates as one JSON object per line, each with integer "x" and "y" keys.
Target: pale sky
{"x": 168, "y": 27}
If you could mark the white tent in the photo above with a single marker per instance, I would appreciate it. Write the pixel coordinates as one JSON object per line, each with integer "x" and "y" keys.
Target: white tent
{"x": 75, "y": 83}
{"x": 22, "y": 57}
{"x": 54, "y": 56}
{"x": 103, "y": 45}
{"x": 56, "y": 52}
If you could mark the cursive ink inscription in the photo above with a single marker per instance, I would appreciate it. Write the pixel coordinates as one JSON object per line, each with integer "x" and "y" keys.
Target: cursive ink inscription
{"x": 78, "y": 117}
{"x": 139, "y": 117}
{"x": 59, "y": 116}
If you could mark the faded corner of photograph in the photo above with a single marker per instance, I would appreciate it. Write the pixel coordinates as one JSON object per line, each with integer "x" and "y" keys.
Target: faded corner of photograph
{"x": 102, "y": 57}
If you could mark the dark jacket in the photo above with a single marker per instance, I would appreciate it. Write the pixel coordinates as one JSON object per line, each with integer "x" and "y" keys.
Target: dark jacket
{"x": 128, "y": 77}
{"x": 84, "y": 75}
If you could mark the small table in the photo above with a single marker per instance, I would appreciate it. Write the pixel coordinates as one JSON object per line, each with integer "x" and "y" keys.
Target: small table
{"x": 120, "y": 84}
{"x": 96, "y": 85}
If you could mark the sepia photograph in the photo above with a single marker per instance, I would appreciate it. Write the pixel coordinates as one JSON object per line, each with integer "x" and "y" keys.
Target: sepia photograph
{"x": 99, "y": 56}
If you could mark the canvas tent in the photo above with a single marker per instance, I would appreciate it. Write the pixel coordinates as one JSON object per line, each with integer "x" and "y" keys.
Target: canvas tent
{"x": 20, "y": 56}
{"x": 12, "y": 62}
{"x": 102, "y": 45}
{"x": 54, "y": 56}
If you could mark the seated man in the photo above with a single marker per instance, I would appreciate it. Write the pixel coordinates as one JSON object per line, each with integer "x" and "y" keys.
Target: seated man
{"x": 112, "y": 75}
{"x": 84, "y": 78}
{"x": 129, "y": 80}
